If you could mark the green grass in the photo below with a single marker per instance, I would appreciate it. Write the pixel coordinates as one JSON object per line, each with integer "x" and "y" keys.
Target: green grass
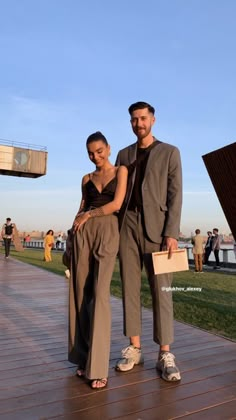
{"x": 213, "y": 309}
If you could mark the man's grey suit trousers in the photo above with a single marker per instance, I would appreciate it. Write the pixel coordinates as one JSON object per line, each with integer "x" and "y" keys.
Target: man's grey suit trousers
{"x": 135, "y": 251}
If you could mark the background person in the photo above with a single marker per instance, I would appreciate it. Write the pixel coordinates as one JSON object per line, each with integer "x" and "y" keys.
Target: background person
{"x": 66, "y": 257}
{"x": 48, "y": 245}
{"x": 58, "y": 241}
{"x": 208, "y": 247}
{"x": 26, "y": 240}
{"x": 150, "y": 221}
{"x": 198, "y": 242}
{"x": 216, "y": 247}
{"x": 8, "y": 235}
{"x": 94, "y": 250}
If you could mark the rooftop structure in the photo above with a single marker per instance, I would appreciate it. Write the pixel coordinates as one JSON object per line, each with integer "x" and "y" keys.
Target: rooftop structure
{"x": 22, "y": 159}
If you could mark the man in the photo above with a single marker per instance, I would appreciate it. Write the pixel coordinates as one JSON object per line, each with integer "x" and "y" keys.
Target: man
{"x": 150, "y": 221}
{"x": 58, "y": 241}
{"x": 208, "y": 247}
{"x": 7, "y": 235}
{"x": 216, "y": 247}
{"x": 197, "y": 242}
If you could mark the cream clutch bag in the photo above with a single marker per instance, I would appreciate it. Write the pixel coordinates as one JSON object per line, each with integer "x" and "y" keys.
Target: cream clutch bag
{"x": 177, "y": 262}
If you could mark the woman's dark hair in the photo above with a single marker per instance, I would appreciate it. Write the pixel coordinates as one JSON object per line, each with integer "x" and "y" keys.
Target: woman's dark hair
{"x": 96, "y": 137}
{"x": 50, "y": 230}
{"x": 141, "y": 105}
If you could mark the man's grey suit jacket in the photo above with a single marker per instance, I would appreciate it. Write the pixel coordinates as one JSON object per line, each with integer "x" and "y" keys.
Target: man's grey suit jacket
{"x": 161, "y": 189}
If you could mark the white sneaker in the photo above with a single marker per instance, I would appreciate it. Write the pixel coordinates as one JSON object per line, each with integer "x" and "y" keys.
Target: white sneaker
{"x": 130, "y": 356}
{"x": 166, "y": 364}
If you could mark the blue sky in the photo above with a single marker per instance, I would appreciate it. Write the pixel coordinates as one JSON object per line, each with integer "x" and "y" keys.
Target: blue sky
{"x": 69, "y": 68}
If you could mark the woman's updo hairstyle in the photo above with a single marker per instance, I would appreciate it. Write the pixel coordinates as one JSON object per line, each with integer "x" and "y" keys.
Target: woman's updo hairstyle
{"x": 96, "y": 137}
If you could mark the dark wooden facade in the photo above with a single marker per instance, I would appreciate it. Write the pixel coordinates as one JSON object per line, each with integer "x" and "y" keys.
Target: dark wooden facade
{"x": 37, "y": 382}
{"x": 221, "y": 166}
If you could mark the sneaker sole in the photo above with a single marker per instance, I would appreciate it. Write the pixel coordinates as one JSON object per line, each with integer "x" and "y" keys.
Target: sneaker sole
{"x": 173, "y": 379}
{"x": 123, "y": 368}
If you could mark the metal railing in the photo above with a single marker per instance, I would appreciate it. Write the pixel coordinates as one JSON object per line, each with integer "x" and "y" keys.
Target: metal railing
{"x": 223, "y": 255}
{"x": 39, "y": 245}
{"x": 23, "y": 145}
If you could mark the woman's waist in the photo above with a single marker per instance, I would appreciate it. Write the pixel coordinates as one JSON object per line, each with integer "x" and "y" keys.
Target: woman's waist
{"x": 88, "y": 208}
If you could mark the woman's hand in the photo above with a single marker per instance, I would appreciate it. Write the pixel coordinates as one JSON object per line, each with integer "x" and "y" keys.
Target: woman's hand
{"x": 80, "y": 220}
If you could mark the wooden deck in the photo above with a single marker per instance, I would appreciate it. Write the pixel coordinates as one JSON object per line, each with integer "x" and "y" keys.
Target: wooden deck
{"x": 37, "y": 381}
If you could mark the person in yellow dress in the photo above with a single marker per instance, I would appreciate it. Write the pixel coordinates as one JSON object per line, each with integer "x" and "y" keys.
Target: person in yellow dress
{"x": 48, "y": 245}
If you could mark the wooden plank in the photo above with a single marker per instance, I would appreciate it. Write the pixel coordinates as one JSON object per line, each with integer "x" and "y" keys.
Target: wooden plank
{"x": 224, "y": 411}
{"x": 185, "y": 407}
{"x": 40, "y": 358}
{"x": 121, "y": 401}
{"x": 37, "y": 381}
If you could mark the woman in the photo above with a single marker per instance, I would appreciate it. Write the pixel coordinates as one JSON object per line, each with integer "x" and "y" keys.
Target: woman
{"x": 208, "y": 247}
{"x": 94, "y": 249}
{"x": 48, "y": 245}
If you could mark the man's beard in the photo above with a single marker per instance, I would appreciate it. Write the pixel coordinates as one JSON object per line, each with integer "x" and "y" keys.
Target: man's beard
{"x": 141, "y": 134}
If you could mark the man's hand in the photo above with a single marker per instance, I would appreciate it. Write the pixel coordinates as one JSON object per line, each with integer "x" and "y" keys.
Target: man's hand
{"x": 169, "y": 244}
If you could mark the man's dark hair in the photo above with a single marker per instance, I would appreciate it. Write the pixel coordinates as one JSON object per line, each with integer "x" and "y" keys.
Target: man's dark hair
{"x": 141, "y": 105}
{"x": 8, "y": 219}
{"x": 96, "y": 137}
{"x": 197, "y": 231}
{"x": 217, "y": 230}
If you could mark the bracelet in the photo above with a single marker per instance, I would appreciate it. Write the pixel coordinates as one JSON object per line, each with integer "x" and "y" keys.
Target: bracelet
{"x": 96, "y": 212}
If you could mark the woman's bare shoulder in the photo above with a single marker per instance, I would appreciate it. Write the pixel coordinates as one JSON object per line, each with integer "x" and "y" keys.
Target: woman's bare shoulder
{"x": 122, "y": 170}
{"x": 86, "y": 178}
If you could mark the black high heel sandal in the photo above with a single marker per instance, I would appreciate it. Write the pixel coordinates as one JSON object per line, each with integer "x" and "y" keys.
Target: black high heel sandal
{"x": 80, "y": 372}
{"x": 103, "y": 382}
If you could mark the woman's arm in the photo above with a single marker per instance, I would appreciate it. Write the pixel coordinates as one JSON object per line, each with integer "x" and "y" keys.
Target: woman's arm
{"x": 83, "y": 199}
{"x": 109, "y": 208}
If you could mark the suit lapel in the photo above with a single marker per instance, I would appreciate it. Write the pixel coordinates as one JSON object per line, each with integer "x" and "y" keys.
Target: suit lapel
{"x": 132, "y": 153}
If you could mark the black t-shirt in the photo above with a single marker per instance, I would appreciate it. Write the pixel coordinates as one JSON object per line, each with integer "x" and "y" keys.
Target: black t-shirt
{"x": 140, "y": 165}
